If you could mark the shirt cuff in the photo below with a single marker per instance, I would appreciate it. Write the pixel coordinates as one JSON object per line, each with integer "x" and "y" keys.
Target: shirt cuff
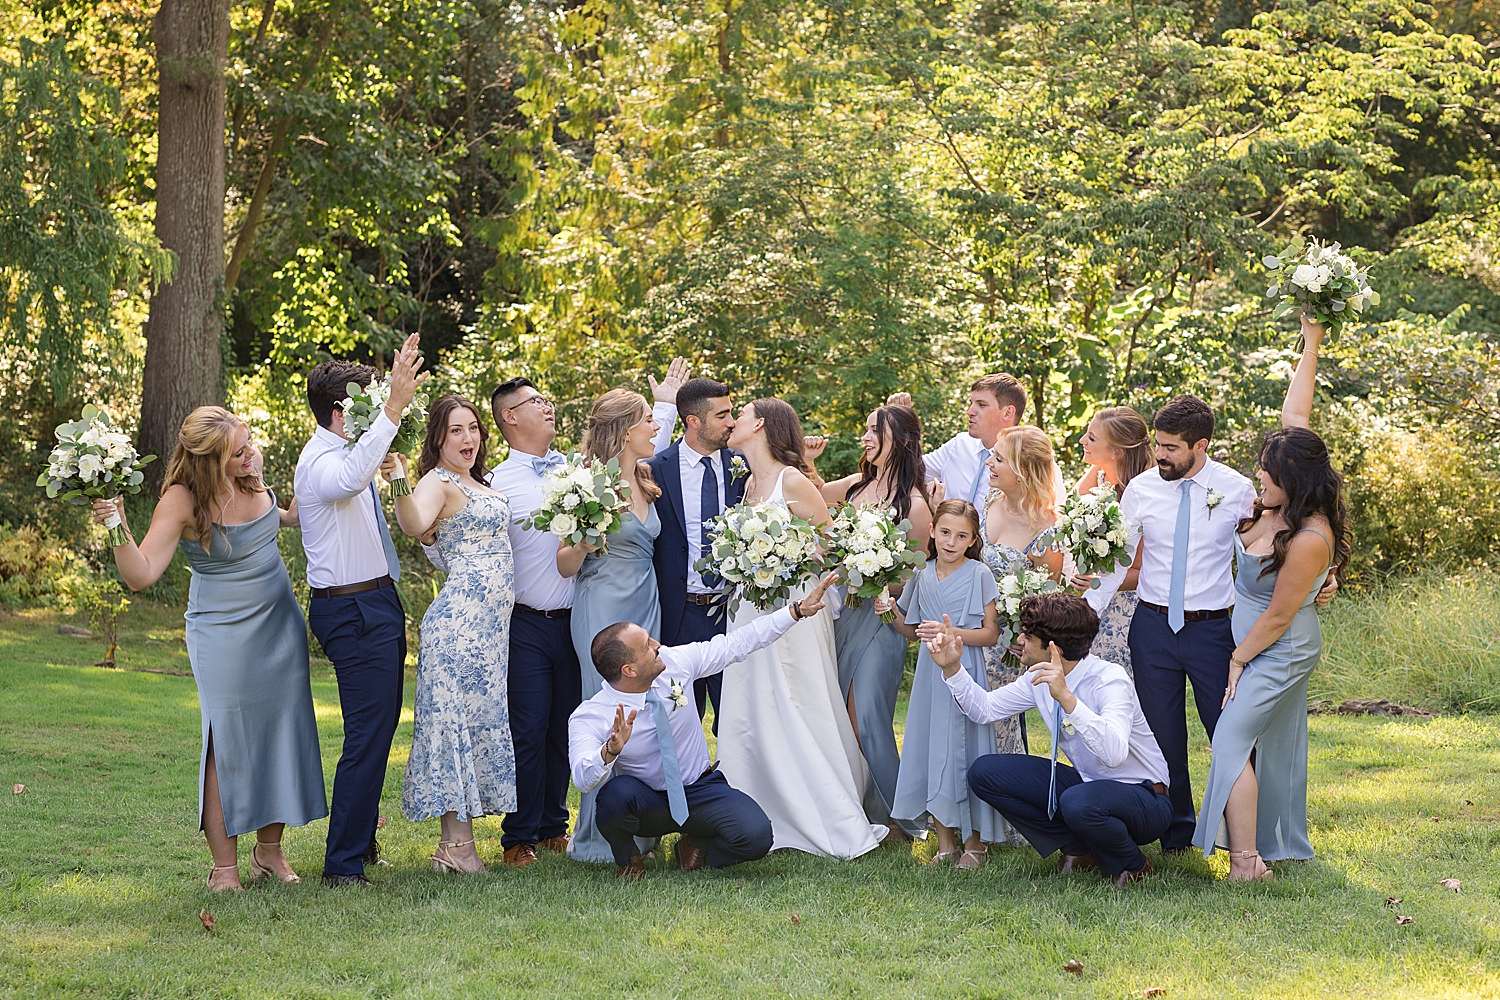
{"x": 1081, "y": 717}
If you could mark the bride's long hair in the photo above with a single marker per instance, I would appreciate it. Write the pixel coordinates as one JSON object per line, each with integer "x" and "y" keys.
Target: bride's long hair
{"x": 783, "y": 431}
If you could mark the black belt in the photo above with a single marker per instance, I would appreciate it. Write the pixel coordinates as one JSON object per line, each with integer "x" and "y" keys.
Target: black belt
{"x": 554, "y": 613}
{"x": 1191, "y": 616}
{"x": 353, "y": 588}
{"x": 704, "y": 600}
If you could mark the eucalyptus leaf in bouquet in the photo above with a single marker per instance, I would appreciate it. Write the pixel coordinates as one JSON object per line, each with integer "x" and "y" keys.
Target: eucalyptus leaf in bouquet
{"x": 763, "y": 552}
{"x": 94, "y": 459}
{"x": 871, "y": 552}
{"x": 1092, "y": 530}
{"x": 361, "y": 409}
{"x": 1015, "y": 587}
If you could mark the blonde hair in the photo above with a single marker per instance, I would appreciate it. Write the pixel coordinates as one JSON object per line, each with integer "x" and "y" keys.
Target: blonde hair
{"x": 1126, "y": 430}
{"x": 610, "y": 420}
{"x": 200, "y": 462}
{"x": 1028, "y": 452}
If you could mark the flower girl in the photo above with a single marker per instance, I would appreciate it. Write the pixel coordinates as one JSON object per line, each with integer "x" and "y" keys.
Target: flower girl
{"x": 956, "y": 588}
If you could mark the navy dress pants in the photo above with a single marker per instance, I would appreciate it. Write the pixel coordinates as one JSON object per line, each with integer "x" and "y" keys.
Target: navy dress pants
{"x": 365, "y": 637}
{"x": 1108, "y": 819}
{"x": 545, "y": 686}
{"x": 1164, "y": 660}
{"x": 726, "y": 824}
{"x": 700, "y": 624}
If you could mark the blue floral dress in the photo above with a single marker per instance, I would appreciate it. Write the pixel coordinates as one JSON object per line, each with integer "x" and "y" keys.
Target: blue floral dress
{"x": 461, "y": 758}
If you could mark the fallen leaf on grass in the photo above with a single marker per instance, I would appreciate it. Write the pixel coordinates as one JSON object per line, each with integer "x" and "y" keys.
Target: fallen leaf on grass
{"x": 17, "y": 789}
{"x": 1153, "y": 991}
{"x": 1245, "y": 912}
{"x": 1452, "y": 884}
{"x": 1405, "y": 920}
{"x": 1468, "y": 802}
{"x": 1393, "y": 902}
{"x": 207, "y": 919}
{"x": 1074, "y": 966}
{"x": 380, "y": 823}
{"x": 796, "y": 920}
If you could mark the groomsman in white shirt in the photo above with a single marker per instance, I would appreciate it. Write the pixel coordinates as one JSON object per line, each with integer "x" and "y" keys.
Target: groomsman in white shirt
{"x": 355, "y": 613}
{"x": 1187, "y": 511}
{"x": 642, "y": 733}
{"x": 1113, "y": 797}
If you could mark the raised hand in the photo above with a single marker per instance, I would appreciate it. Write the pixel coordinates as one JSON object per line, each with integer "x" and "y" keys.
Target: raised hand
{"x": 946, "y": 648}
{"x": 812, "y": 446}
{"x": 619, "y": 733}
{"x": 665, "y": 391}
{"x": 404, "y": 378}
{"x": 938, "y": 490}
{"x": 899, "y": 399}
{"x": 813, "y": 602}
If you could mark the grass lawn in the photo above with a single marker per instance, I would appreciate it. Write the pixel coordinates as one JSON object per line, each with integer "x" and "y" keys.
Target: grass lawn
{"x": 101, "y": 882}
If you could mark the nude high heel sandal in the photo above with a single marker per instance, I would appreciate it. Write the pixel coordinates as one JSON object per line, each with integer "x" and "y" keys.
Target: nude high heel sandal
{"x": 209, "y": 882}
{"x": 1262, "y": 872}
{"x": 259, "y": 871}
{"x": 443, "y": 860}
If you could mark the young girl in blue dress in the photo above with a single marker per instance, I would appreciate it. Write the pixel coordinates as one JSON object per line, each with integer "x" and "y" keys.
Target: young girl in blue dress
{"x": 940, "y": 742}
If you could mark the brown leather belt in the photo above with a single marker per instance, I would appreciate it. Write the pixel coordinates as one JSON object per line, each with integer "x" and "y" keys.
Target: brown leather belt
{"x": 353, "y": 588}
{"x": 554, "y": 613}
{"x": 1158, "y": 788}
{"x": 704, "y": 600}
{"x": 1191, "y": 616}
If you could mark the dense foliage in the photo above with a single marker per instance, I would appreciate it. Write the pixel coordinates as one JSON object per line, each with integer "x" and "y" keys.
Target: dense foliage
{"x": 825, "y": 200}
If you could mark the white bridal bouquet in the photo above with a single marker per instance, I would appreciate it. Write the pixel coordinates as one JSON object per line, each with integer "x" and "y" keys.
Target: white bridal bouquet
{"x": 763, "y": 552}
{"x": 582, "y": 501}
{"x": 1092, "y": 530}
{"x": 1325, "y": 284}
{"x": 363, "y": 405}
{"x": 871, "y": 552}
{"x": 94, "y": 459}
{"x": 1014, "y": 586}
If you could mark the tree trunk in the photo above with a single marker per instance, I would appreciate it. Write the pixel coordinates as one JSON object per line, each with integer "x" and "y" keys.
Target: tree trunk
{"x": 184, "y": 328}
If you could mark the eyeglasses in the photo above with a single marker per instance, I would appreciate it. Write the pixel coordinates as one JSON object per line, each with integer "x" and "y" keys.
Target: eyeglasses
{"x": 538, "y": 399}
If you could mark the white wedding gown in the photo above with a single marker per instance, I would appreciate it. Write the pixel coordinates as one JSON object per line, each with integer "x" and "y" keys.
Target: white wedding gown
{"x": 786, "y": 741}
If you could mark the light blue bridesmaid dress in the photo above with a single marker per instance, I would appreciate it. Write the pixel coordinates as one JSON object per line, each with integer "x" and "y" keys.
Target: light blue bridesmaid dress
{"x": 247, "y": 642}
{"x": 617, "y": 585}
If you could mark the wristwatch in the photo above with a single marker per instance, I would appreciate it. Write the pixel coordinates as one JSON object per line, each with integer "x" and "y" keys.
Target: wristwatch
{"x": 796, "y": 607}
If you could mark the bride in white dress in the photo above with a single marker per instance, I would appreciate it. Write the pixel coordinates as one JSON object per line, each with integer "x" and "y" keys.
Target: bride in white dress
{"x": 785, "y": 738}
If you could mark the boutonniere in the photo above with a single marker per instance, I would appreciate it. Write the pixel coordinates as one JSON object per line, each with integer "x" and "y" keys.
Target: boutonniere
{"x": 737, "y": 468}
{"x": 1214, "y": 499}
{"x": 679, "y": 696}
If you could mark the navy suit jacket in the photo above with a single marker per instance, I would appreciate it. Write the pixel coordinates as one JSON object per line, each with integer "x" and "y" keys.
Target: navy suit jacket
{"x": 671, "y": 553}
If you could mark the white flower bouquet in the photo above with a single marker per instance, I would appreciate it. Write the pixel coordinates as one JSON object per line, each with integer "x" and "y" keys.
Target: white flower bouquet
{"x": 363, "y": 405}
{"x": 871, "y": 552}
{"x": 94, "y": 459}
{"x": 582, "y": 501}
{"x": 1015, "y": 586}
{"x": 1092, "y": 530}
{"x": 763, "y": 552}
{"x": 1325, "y": 284}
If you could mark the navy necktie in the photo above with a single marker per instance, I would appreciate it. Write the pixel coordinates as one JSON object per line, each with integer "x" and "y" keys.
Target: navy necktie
{"x": 708, "y": 509}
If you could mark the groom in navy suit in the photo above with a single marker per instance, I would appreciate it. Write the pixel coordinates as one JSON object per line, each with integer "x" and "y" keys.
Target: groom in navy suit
{"x": 698, "y": 482}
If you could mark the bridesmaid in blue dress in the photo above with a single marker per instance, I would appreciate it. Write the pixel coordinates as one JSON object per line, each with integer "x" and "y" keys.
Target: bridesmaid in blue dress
{"x": 462, "y": 763}
{"x": 1294, "y": 538}
{"x": 260, "y": 767}
{"x": 871, "y": 653}
{"x": 617, "y": 583}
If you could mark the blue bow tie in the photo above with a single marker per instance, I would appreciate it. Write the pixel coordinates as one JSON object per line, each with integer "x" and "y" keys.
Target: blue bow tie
{"x": 551, "y": 460}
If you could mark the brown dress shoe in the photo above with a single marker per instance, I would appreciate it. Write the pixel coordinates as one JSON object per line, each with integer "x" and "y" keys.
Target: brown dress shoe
{"x": 520, "y": 856}
{"x": 689, "y": 857}
{"x": 1077, "y": 863}
{"x": 558, "y": 844}
{"x": 1123, "y": 879}
{"x": 635, "y": 871}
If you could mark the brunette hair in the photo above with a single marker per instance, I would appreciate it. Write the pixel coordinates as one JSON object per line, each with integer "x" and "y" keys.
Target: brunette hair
{"x": 1006, "y": 389}
{"x": 328, "y": 385}
{"x": 783, "y": 432}
{"x": 503, "y": 392}
{"x": 693, "y": 397}
{"x": 200, "y": 462}
{"x": 1126, "y": 430}
{"x": 1188, "y": 417}
{"x": 1298, "y": 462}
{"x": 963, "y": 509}
{"x": 899, "y": 426}
{"x": 1065, "y": 619}
{"x": 610, "y": 419}
{"x": 1028, "y": 451}
{"x": 437, "y": 433}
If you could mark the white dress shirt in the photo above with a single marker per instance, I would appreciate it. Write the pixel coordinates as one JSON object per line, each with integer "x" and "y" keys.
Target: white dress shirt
{"x": 1149, "y": 508}
{"x": 1105, "y": 736}
{"x": 590, "y": 724}
{"x": 690, "y": 470}
{"x": 338, "y": 514}
{"x": 958, "y": 461}
{"x": 538, "y": 583}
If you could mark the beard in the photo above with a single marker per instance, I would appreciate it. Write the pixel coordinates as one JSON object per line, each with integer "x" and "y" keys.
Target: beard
{"x": 716, "y": 443}
{"x": 1171, "y": 473}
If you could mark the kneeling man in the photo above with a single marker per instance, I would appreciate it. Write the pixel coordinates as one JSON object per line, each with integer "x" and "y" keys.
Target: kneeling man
{"x": 641, "y": 737}
{"x": 1114, "y": 797}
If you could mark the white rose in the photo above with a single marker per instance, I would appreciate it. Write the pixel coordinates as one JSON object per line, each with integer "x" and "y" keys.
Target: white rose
{"x": 1101, "y": 547}
{"x": 1306, "y": 276}
{"x": 760, "y": 546}
{"x": 89, "y": 466}
{"x": 772, "y": 562}
{"x": 564, "y": 525}
{"x": 764, "y": 577}
{"x": 885, "y": 558}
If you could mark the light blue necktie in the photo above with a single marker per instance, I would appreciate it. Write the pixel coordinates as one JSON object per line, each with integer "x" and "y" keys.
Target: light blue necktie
{"x": 1056, "y": 739}
{"x": 549, "y": 461}
{"x": 980, "y": 478}
{"x": 1179, "y": 558}
{"x": 671, "y": 770}
{"x": 392, "y": 563}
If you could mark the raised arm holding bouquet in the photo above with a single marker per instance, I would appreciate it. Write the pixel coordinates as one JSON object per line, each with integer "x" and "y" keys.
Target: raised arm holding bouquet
{"x": 94, "y": 460}
{"x": 365, "y": 403}
{"x": 1325, "y": 284}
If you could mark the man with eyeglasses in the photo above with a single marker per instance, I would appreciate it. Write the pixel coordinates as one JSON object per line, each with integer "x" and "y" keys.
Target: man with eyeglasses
{"x": 543, "y": 676}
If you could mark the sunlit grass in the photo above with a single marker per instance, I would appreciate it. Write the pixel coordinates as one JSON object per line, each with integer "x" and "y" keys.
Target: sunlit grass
{"x": 101, "y": 873}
